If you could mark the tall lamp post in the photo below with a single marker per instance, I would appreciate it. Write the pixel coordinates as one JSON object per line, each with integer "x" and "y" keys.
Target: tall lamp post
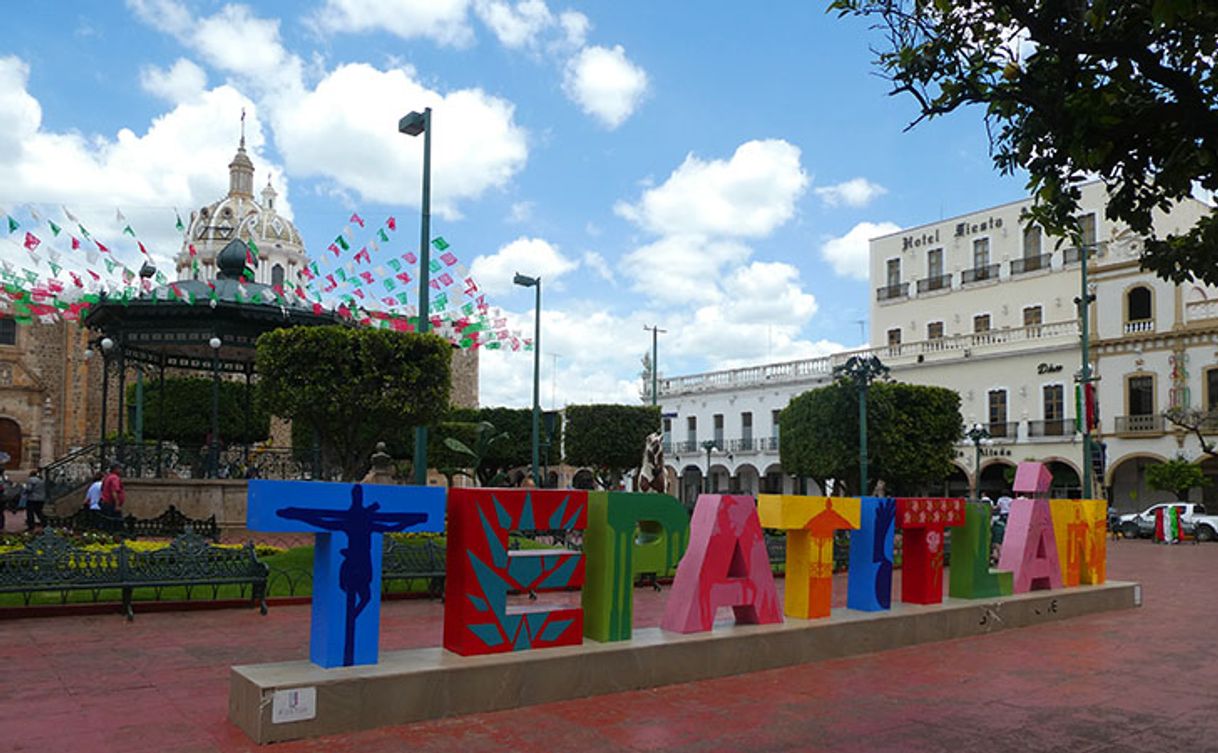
{"x": 709, "y": 446}
{"x": 1084, "y": 378}
{"x": 107, "y": 345}
{"x": 977, "y": 434}
{"x": 412, "y": 125}
{"x": 655, "y": 336}
{"x": 535, "y": 283}
{"x": 214, "y": 450}
{"x": 862, "y": 371}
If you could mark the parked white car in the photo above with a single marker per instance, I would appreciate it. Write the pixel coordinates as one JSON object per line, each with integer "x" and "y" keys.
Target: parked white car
{"x": 1193, "y": 521}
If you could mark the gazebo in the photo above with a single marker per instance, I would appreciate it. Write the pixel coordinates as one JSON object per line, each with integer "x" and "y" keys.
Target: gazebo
{"x": 190, "y": 325}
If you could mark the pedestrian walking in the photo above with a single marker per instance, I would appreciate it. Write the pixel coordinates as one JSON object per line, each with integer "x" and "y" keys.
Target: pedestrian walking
{"x": 112, "y": 494}
{"x": 35, "y": 501}
{"x": 93, "y": 493}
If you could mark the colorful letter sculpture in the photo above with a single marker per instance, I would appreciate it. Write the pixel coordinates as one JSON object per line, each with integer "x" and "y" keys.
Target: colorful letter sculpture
{"x": 482, "y": 569}
{"x": 726, "y": 565}
{"x": 869, "y": 588}
{"x": 922, "y": 522}
{"x": 1080, "y": 527}
{"x": 809, "y": 523}
{"x": 1029, "y": 547}
{"x": 971, "y": 576}
{"x": 348, "y": 520}
{"x": 613, "y": 553}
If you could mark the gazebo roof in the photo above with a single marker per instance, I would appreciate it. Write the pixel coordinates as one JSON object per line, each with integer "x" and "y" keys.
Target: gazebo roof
{"x": 162, "y": 327}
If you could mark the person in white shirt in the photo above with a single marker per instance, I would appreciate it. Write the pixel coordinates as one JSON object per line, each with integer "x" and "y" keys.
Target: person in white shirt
{"x": 93, "y": 494}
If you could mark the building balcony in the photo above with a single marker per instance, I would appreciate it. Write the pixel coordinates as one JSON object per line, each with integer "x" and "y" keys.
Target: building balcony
{"x": 768, "y": 444}
{"x": 1051, "y": 427}
{"x": 1031, "y": 264}
{"x": 892, "y": 292}
{"x": 929, "y": 284}
{"x": 979, "y": 274}
{"x": 1075, "y": 254}
{"x": 1139, "y": 326}
{"x": 1200, "y": 310}
{"x": 1005, "y": 430}
{"x": 686, "y": 446}
{"x": 819, "y": 370}
{"x": 743, "y": 446}
{"x": 1146, "y": 424}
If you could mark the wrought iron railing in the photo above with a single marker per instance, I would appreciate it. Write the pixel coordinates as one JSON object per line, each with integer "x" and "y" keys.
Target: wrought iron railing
{"x": 1146, "y": 424}
{"x": 769, "y": 444}
{"x": 1074, "y": 254}
{"x": 938, "y": 282}
{"x": 744, "y": 444}
{"x": 1051, "y": 427}
{"x": 72, "y": 471}
{"x": 1031, "y": 264}
{"x": 890, "y": 292}
{"x": 977, "y": 274}
{"x": 1003, "y": 429}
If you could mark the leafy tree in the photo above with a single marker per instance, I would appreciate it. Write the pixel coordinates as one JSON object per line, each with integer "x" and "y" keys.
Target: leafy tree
{"x": 1121, "y": 90}
{"x": 353, "y": 387}
{"x": 1198, "y": 423}
{"x": 1178, "y": 476}
{"x": 497, "y": 458}
{"x": 187, "y": 416}
{"x": 609, "y": 439}
{"x": 912, "y": 431}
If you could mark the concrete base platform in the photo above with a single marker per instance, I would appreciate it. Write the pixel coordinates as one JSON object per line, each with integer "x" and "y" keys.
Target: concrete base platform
{"x": 410, "y": 686}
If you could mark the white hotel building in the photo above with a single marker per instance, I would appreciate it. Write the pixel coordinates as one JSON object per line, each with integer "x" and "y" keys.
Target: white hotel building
{"x": 982, "y": 306}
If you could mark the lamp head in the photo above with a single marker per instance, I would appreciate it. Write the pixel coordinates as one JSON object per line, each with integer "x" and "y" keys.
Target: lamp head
{"x": 107, "y": 344}
{"x": 413, "y": 124}
{"x": 214, "y": 343}
{"x": 525, "y": 281}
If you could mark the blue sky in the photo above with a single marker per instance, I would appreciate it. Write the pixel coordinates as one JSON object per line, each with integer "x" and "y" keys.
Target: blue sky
{"x": 700, "y": 166}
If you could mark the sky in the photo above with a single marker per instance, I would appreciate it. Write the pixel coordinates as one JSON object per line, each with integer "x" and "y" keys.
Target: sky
{"x": 709, "y": 168}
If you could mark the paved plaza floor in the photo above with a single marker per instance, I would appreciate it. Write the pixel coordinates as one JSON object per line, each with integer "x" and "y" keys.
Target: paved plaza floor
{"x": 1135, "y": 680}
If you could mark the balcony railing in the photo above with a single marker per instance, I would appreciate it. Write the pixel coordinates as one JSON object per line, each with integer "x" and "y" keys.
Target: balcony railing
{"x": 744, "y": 445}
{"x": 813, "y": 370}
{"x": 1138, "y": 326}
{"x": 939, "y": 282}
{"x": 1003, "y": 430}
{"x": 1051, "y": 427}
{"x": 1030, "y": 264}
{"x": 1147, "y": 424}
{"x": 1197, "y": 310}
{"x": 891, "y": 292}
{"x": 978, "y": 274}
{"x": 768, "y": 444}
{"x": 686, "y": 446}
{"x": 1074, "y": 254}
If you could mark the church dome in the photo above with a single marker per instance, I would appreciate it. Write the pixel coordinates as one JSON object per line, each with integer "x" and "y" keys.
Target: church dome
{"x": 239, "y": 216}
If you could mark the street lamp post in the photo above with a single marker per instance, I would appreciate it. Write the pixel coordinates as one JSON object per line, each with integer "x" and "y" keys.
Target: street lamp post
{"x": 107, "y": 345}
{"x": 709, "y": 446}
{"x": 862, "y": 370}
{"x": 214, "y": 450}
{"x": 535, "y": 283}
{"x": 1084, "y": 304}
{"x": 977, "y": 434}
{"x": 655, "y": 336}
{"x": 414, "y": 124}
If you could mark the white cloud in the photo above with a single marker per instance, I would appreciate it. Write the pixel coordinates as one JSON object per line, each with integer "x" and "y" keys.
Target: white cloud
{"x": 346, "y": 130}
{"x": 515, "y": 26}
{"x": 442, "y": 21}
{"x": 575, "y": 27}
{"x": 520, "y": 211}
{"x": 594, "y": 261}
{"x": 529, "y": 256}
{"x": 181, "y": 82}
{"x": 605, "y": 84}
{"x": 681, "y": 269}
{"x": 858, "y": 192}
{"x": 178, "y": 161}
{"x": 849, "y": 254}
{"x": 748, "y": 195}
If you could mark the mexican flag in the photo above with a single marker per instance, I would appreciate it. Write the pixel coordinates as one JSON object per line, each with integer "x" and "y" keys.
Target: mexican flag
{"x": 1167, "y": 524}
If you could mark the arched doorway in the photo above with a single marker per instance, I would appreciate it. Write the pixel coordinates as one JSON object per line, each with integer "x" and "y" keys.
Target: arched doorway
{"x": 994, "y": 479}
{"x": 10, "y": 442}
{"x": 1066, "y": 483}
{"x": 691, "y": 485}
{"x": 1127, "y": 485}
{"x": 747, "y": 480}
{"x": 773, "y": 481}
{"x": 720, "y": 479}
{"x": 583, "y": 479}
{"x": 1209, "y": 494}
{"x": 956, "y": 484}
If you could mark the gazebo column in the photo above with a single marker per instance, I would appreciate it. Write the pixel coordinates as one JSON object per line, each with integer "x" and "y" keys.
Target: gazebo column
{"x": 160, "y": 436}
{"x": 246, "y": 419}
{"x": 122, "y": 398}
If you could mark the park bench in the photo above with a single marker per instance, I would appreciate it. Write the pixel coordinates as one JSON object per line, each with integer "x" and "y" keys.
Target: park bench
{"x": 410, "y": 561}
{"x": 51, "y": 563}
{"x": 168, "y": 524}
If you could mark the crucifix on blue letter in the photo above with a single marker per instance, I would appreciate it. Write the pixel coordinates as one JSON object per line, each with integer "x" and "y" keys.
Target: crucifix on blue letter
{"x": 347, "y": 567}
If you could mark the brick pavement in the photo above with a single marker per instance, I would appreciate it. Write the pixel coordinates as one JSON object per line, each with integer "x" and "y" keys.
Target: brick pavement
{"x": 1137, "y": 680}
